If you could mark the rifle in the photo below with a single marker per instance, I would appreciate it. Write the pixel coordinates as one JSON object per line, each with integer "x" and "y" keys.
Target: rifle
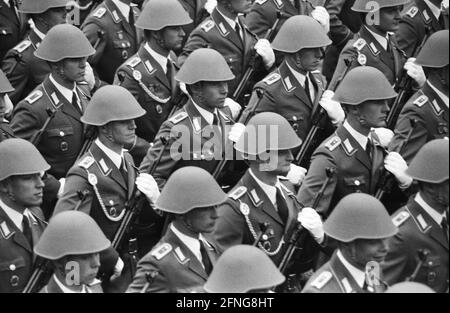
{"x": 150, "y": 277}
{"x": 89, "y": 137}
{"x": 423, "y": 256}
{"x": 253, "y": 64}
{"x": 36, "y": 138}
{"x": 43, "y": 265}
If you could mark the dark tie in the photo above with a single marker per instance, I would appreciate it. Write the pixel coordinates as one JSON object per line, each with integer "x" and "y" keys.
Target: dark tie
{"x": 26, "y": 230}
{"x": 237, "y": 28}
{"x": 205, "y": 258}
{"x": 297, "y": 5}
{"x": 75, "y": 102}
{"x": 13, "y": 6}
{"x": 369, "y": 149}
{"x": 123, "y": 171}
{"x": 131, "y": 19}
{"x": 444, "y": 225}
{"x": 307, "y": 89}
{"x": 169, "y": 71}
{"x": 283, "y": 210}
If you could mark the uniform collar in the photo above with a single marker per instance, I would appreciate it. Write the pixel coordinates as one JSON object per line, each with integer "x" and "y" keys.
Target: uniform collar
{"x": 66, "y": 92}
{"x": 115, "y": 157}
{"x": 192, "y": 243}
{"x": 435, "y": 215}
{"x": 208, "y": 116}
{"x": 270, "y": 191}
{"x": 162, "y": 60}
{"x": 64, "y": 289}
{"x": 15, "y": 216}
{"x": 358, "y": 275}
{"x": 123, "y": 8}
{"x": 231, "y": 22}
{"x": 433, "y": 8}
{"x": 360, "y": 138}
{"x": 383, "y": 41}
{"x": 441, "y": 95}
{"x": 299, "y": 76}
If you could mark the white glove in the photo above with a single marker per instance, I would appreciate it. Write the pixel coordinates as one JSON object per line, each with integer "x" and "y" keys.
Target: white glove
{"x": 236, "y": 132}
{"x": 89, "y": 76}
{"x": 444, "y": 5}
{"x": 234, "y": 107}
{"x": 320, "y": 14}
{"x": 62, "y": 183}
{"x": 296, "y": 175}
{"x": 395, "y": 164}
{"x": 118, "y": 269}
{"x": 312, "y": 222}
{"x": 264, "y": 49}
{"x": 210, "y": 5}
{"x": 146, "y": 184}
{"x": 8, "y": 105}
{"x": 333, "y": 108}
{"x": 382, "y": 135}
{"x": 415, "y": 71}
{"x": 184, "y": 89}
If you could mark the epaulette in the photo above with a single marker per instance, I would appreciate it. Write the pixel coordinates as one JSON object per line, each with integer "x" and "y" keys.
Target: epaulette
{"x": 87, "y": 162}
{"x": 260, "y": 1}
{"x": 421, "y": 101}
{"x": 322, "y": 280}
{"x": 412, "y": 12}
{"x": 208, "y": 25}
{"x": 34, "y": 96}
{"x": 178, "y": 118}
{"x": 272, "y": 78}
{"x": 333, "y": 143}
{"x": 99, "y": 13}
{"x": 237, "y": 193}
{"x": 21, "y": 47}
{"x": 400, "y": 218}
{"x": 359, "y": 44}
{"x": 133, "y": 61}
{"x": 161, "y": 251}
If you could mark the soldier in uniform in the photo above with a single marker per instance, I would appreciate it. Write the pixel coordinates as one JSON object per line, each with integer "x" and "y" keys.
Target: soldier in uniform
{"x": 362, "y": 227}
{"x": 261, "y": 196}
{"x": 110, "y": 28}
{"x": 24, "y": 70}
{"x": 107, "y": 172}
{"x": 150, "y": 74}
{"x": 423, "y": 19}
{"x": 72, "y": 238}
{"x": 12, "y": 26}
{"x": 353, "y": 151}
{"x": 186, "y": 254}
{"x": 59, "y": 100}
{"x": 197, "y": 134}
{"x": 21, "y": 219}
{"x": 429, "y": 106}
{"x": 226, "y": 32}
{"x": 243, "y": 269}
{"x": 419, "y": 252}
{"x": 5, "y": 108}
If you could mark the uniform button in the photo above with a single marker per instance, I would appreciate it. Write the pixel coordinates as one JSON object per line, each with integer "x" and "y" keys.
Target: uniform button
{"x": 111, "y": 202}
{"x": 357, "y": 183}
{"x": 12, "y": 267}
{"x": 61, "y": 133}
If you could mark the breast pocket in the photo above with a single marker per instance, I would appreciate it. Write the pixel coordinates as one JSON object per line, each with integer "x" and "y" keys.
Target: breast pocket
{"x": 60, "y": 138}
{"x": 5, "y": 31}
{"x": 233, "y": 61}
{"x": 355, "y": 184}
{"x": 13, "y": 274}
{"x": 431, "y": 270}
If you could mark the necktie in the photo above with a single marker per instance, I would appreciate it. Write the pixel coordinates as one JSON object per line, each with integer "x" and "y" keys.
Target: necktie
{"x": 444, "y": 225}
{"x": 131, "y": 19}
{"x": 237, "y": 28}
{"x": 282, "y": 206}
{"x": 26, "y": 230}
{"x": 205, "y": 258}
{"x": 75, "y": 102}
{"x": 169, "y": 71}
{"x": 123, "y": 171}
{"x": 308, "y": 89}
{"x": 369, "y": 149}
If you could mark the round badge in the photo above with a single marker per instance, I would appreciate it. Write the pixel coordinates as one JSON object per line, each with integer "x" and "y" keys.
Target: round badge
{"x": 362, "y": 59}
{"x": 159, "y": 109}
{"x": 125, "y": 54}
{"x": 92, "y": 179}
{"x": 113, "y": 211}
{"x": 64, "y": 146}
{"x": 265, "y": 237}
{"x": 267, "y": 245}
{"x": 14, "y": 281}
{"x": 61, "y": 133}
{"x": 245, "y": 210}
{"x": 137, "y": 75}
{"x": 111, "y": 202}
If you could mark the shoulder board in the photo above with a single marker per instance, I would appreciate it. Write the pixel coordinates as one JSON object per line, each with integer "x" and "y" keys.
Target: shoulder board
{"x": 21, "y": 47}
{"x": 161, "y": 251}
{"x": 412, "y": 12}
{"x": 208, "y": 25}
{"x": 333, "y": 143}
{"x": 322, "y": 280}
{"x": 133, "y": 61}
{"x": 237, "y": 193}
{"x": 34, "y": 96}
{"x": 359, "y": 44}
{"x": 178, "y": 118}
{"x": 272, "y": 78}
{"x": 260, "y": 2}
{"x": 400, "y": 218}
{"x": 87, "y": 162}
{"x": 421, "y": 101}
{"x": 99, "y": 13}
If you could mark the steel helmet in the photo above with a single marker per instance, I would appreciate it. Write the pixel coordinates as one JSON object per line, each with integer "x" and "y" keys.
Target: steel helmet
{"x": 40, "y": 6}
{"x": 435, "y": 51}
{"x": 367, "y": 6}
{"x": 158, "y": 14}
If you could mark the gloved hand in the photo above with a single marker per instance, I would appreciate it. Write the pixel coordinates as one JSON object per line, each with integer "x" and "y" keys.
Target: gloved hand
{"x": 183, "y": 88}
{"x": 311, "y": 221}
{"x": 118, "y": 269}
{"x": 89, "y": 76}
{"x": 7, "y": 108}
{"x": 264, "y": 49}
{"x": 382, "y": 135}
{"x": 62, "y": 183}
{"x": 395, "y": 164}
{"x": 444, "y": 6}
{"x": 234, "y": 107}
{"x": 210, "y": 5}
{"x": 236, "y": 132}
{"x": 415, "y": 71}
{"x": 146, "y": 184}
{"x": 333, "y": 108}
{"x": 320, "y": 14}
{"x": 296, "y": 175}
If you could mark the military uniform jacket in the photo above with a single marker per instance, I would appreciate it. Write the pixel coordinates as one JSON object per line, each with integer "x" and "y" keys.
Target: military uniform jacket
{"x": 12, "y": 28}
{"x": 417, "y": 230}
{"x": 24, "y": 70}
{"x": 247, "y": 207}
{"x": 263, "y": 14}
{"x": 197, "y": 143}
{"x": 363, "y": 50}
{"x": 118, "y": 42}
{"x": 332, "y": 277}
{"x": 16, "y": 254}
{"x": 217, "y": 34}
{"x": 63, "y": 138}
{"x": 178, "y": 268}
{"x": 283, "y": 94}
{"x": 431, "y": 115}
{"x": 143, "y": 76}
{"x": 417, "y": 23}
{"x": 355, "y": 171}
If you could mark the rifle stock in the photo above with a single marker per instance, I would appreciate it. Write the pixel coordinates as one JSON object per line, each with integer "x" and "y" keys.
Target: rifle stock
{"x": 36, "y": 139}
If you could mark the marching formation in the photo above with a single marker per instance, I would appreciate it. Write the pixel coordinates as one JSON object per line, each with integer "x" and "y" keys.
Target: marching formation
{"x": 226, "y": 146}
